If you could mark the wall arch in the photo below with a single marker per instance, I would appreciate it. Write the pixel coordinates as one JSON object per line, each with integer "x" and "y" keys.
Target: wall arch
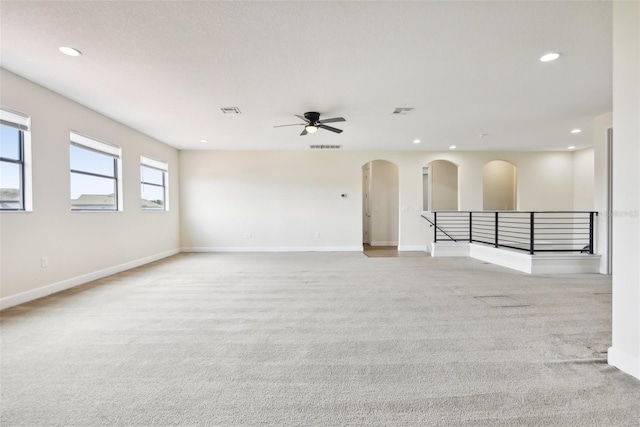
{"x": 499, "y": 186}
{"x": 380, "y": 203}
{"x": 440, "y": 186}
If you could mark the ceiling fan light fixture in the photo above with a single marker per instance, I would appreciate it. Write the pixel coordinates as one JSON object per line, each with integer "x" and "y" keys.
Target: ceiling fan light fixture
{"x": 311, "y": 128}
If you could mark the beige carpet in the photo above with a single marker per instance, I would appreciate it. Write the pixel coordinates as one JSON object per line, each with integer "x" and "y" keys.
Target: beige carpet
{"x": 316, "y": 339}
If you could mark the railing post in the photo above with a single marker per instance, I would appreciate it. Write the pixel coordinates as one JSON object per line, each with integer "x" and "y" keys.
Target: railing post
{"x": 495, "y": 244}
{"x": 470, "y": 227}
{"x": 591, "y": 233}
{"x": 531, "y": 233}
{"x": 435, "y": 227}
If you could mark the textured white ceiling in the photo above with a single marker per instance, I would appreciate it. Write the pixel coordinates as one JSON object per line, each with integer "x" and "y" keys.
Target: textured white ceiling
{"x": 166, "y": 67}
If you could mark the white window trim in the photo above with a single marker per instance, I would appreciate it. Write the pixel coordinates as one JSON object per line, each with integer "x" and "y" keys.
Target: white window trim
{"x": 164, "y": 167}
{"x": 21, "y": 121}
{"x": 110, "y": 150}
{"x": 14, "y": 118}
{"x": 94, "y": 144}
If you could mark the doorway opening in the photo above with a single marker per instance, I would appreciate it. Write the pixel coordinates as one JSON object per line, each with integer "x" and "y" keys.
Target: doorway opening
{"x": 380, "y": 205}
{"x": 440, "y": 186}
{"x": 499, "y": 186}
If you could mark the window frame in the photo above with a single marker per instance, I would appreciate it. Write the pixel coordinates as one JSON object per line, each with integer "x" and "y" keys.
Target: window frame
{"x": 163, "y": 167}
{"x": 91, "y": 144}
{"x": 21, "y": 122}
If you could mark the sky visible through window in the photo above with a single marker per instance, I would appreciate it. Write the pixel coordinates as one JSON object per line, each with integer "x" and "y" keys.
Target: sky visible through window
{"x": 10, "y": 149}
{"x": 90, "y": 161}
{"x": 151, "y": 192}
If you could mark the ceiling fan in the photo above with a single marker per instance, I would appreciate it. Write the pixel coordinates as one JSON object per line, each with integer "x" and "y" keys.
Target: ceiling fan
{"x": 313, "y": 123}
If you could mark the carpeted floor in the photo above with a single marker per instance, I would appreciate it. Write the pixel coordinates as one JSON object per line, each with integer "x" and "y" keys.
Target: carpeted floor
{"x": 316, "y": 339}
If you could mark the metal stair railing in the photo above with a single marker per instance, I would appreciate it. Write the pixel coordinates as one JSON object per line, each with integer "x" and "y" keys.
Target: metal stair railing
{"x": 433, "y": 224}
{"x": 529, "y": 231}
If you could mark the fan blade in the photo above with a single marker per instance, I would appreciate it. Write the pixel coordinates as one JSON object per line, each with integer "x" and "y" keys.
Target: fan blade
{"x": 333, "y": 120}
{"x": 304, "y": 132}
{"x": 332, "y": 129}
{"x": 303, "y": 118}
{"x": 295, "y": 124}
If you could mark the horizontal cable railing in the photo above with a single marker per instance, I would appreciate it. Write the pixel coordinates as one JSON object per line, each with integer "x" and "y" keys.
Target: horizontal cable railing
{"x": 536, "y": 231}
{"x": 438, "y": 228}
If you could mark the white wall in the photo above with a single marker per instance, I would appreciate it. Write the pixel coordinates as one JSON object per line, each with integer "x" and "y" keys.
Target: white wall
{"x": 625, "y": 349}
{"x": 281, "y": 199}
{"x": 79, "y": 245}
{"x": 270, "y": 199}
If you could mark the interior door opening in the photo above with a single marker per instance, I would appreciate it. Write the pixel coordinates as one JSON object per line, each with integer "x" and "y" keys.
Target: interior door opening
{"x": 499, "y": 184}
{"x": 380, "y": 205}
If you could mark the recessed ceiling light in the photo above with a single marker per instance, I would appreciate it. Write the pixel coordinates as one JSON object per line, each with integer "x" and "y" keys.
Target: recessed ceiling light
{"x": 204, "y": 140}
{"x": 416, "y": 141}
{"x": 576, "y": 131}
{"x": 571, "y": 147}
{"x": 551, "y": 56}
{"x": 452, "y": 147}
{"x": 69, "y": 51}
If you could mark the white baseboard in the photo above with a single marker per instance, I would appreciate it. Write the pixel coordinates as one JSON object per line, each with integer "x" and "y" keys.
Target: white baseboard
{"x": 274, "y": 249}
{"x": 43, "y": 291}
{"x": 625, "y": 362}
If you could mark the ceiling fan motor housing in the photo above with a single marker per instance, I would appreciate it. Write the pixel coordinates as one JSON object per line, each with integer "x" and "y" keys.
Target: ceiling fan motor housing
{"x": 312, "y": 116}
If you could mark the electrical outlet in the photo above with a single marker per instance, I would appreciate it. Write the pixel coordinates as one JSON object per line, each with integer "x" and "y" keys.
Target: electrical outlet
{"x": 44, "y": 261}
{"x": 247, "y": 235}
{"x": 317, "y": 234}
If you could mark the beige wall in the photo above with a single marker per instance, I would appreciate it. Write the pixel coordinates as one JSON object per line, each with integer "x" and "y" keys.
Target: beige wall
{"x": 384, "y": 203}
{"x": 78, "y": 245}
{"x": 583, "y": 179}
{"x": 499, "y": 186}
{"x": 282, "y": 199}
{"x": 444, "y": 186}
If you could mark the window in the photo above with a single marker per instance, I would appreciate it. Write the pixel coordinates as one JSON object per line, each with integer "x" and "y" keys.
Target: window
{"x": 95, "y": 175}
{"x": 153, "y": 184}
{"x": 15, "y": 161}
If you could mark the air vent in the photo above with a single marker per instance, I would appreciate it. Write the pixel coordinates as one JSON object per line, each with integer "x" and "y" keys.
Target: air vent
{"x": 402, "y": 110}
{"x": 324, "y": 147}
{"x": 230, "y": 110}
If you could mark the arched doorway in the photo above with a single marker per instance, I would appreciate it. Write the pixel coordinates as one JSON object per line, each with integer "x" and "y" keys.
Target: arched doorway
{"x": 499, "y": 186}
{"x": 380, "y": 204}
{"x": 440, "y": 186}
